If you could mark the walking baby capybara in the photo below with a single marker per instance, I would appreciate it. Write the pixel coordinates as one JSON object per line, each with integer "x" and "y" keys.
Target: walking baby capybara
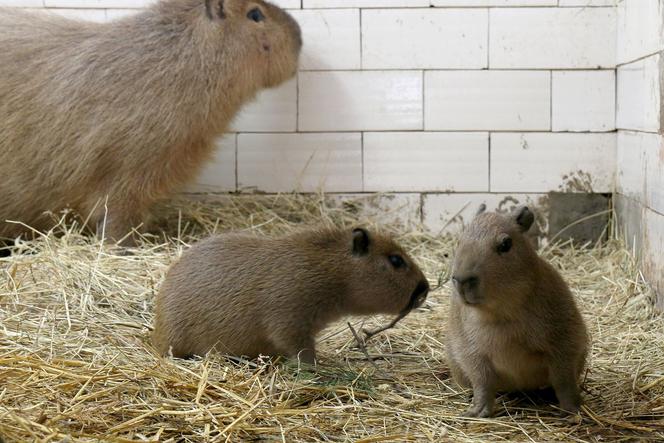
{"x": 513, "y": 323}
{"x": 248, "y": 296}
{"x": 107, "y": 118}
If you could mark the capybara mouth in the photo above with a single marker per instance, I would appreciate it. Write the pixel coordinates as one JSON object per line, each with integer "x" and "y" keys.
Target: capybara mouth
{"x": 418, "y": 297}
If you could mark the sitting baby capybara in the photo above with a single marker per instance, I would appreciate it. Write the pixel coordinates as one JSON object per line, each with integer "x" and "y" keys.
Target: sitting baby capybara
{"x": 514, "y": 324}
{"x": 106, "y": 118}
{"x": 248, "y": 296}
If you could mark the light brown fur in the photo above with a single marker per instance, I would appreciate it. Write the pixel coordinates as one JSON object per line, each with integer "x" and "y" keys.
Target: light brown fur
{"x": 245, "y": 295}
{"x": 125, "y": 113}
{"x": 517, "y": 326}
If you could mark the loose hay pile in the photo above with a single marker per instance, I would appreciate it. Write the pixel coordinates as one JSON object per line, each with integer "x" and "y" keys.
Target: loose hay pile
{"x": 75, "y": 360}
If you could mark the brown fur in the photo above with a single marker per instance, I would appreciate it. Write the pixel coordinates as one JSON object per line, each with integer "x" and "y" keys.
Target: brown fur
{"x": 125, "y": 112}
{"x": 517, "y": 326}
{"x": 245, "y": 295}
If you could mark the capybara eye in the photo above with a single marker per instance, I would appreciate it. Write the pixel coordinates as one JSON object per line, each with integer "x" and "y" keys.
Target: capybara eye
{"x": 255, "y": 15}
{"x": 397, "y": 261}
{"x": 504, "y": 245}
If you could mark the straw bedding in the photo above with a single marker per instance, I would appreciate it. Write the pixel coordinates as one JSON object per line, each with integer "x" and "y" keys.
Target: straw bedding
{"x": 76, "y": 363}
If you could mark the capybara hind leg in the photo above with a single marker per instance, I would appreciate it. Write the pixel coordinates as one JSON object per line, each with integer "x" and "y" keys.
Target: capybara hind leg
{"x": 564, "y": 382}
{"x": 119, "y": 226}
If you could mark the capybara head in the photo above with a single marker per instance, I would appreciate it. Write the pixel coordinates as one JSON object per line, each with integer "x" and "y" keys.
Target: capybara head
{"x": 494, "y": 261}
{"x": 384, "y": 277}
{"x": 261, "y": 34}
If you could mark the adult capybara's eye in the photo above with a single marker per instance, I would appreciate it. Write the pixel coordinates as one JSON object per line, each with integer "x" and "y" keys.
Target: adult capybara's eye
{"x": 256, "y": 15}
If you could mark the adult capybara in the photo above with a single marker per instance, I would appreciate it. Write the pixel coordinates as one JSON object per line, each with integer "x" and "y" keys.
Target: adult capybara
{"x": 106, "y": 118}
{"x": 247, "y": 296}
{"x": 513, "y": 323}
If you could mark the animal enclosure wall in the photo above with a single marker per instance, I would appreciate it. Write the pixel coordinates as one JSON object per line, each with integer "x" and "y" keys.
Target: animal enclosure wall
{"x": 444, "y": 104}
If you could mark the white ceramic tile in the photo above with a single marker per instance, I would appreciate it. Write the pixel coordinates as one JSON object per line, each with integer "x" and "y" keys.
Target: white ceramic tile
{"x": 487, "y": 100}
{"x": 218, "y": 175}
{"x": 273, "y": 110}
{"x": 652, "y": 257}
{"x": 450, "y": 213}
{"x": 114, "y": 14}
{"x": 300, "y": 162}
{"x": 587, "y": 2}
{"x": 424, "y": 38}
{"x": 584, "y": 101}
{"x": 654, "y": 172}
{"x": 426, "y": 161}
{"x": 391, "y": 210}
{"x": 640, "y": 29}
{"x": 364, "y": 3}
{"x": 640, "y": 95}
{"x": 494, "y": 2}
{"x": 543, "y": 162}
{"x": 555, "y": 38}
{"x": 98, "y": 3}
{"x": 631, "y": 163}
{"x": 287, "y": 4}
{"x": 91, "y": 15}
{"x": 353, "y": 100}
{"x": 331, "y": 38}
{"x": 22, "y": 3}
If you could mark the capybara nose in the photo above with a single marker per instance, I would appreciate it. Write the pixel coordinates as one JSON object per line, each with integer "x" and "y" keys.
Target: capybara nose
{"x": 465, "y": 284}
{"x": 419, "y": 294}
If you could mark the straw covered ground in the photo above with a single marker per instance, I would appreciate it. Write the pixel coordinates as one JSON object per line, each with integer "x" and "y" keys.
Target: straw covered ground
{"x": 76, "y": 363}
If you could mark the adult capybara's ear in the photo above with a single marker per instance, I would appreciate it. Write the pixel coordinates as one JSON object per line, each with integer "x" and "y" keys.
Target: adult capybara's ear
{"x": 524, "y": 218}
{"x": 481, "y": 209}
{"x": 360, "y": 241}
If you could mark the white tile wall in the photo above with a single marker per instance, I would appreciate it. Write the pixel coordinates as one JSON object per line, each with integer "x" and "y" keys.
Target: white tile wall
{"x": 431, "y": 161}
{"x": 360, "y": 100}
{"x": 449, "y": 213}
{"x": 583, "y": 101}
{"x": 640, "y": 95}
{"x": 406, "y": 95}
{"x": 631, "y": 163}
{"x": 555, "y": 38}
{"x": 331, "y": 38}
{"x": 488, "y": 100}
{"x": 494, "y": 2}
{"x": 300, "y": 162}
{"x": 424, "y": 38}
{"x": 273, "y": 110}
{"x": 640, "y": 29}
{"x": 219, "y": 174}
{"x": 543, "y": 162}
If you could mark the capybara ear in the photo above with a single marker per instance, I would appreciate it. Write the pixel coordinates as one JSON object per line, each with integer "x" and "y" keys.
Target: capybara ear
{"x": 220, "y": 10}
{"x": 360, "y": 241}
{"x": 524, "y": 218}
{"x": 480, "y": 210}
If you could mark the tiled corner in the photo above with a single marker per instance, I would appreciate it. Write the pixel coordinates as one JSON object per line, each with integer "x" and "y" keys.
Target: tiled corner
{"x": 640, "y": 95}
{"x": 640, "y": 29}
